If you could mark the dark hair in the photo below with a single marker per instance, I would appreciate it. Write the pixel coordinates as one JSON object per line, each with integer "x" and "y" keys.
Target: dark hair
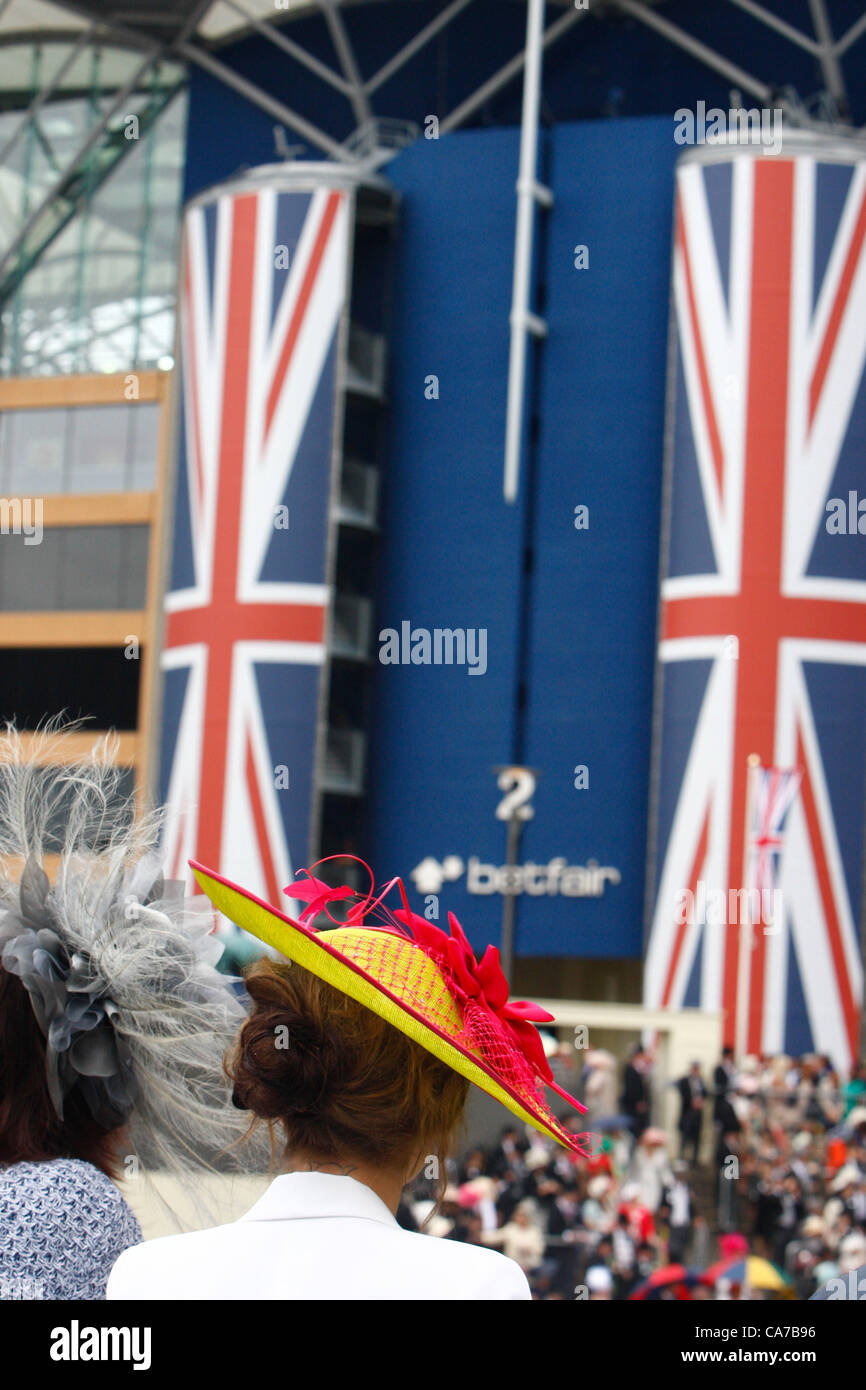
{"x": 338, "y": 1079}
{"x": 30, "y": 1128}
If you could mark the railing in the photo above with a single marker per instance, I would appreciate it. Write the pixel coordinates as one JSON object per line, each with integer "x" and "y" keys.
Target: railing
{"x": 352, "y": 627}
{"x": 365, "y": 368}
{"x": 343, "y": 762}
{"x": 359, "y": 495}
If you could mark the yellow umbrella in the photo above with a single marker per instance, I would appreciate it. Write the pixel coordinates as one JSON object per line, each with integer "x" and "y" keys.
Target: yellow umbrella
{"x": 753, "y": 1270}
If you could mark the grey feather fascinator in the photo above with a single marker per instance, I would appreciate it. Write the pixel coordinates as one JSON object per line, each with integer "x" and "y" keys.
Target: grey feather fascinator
{"x": 119, "y": 966}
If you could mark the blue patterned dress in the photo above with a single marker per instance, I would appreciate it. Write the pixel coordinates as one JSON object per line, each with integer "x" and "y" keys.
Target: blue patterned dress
{"x": 63, "y": 1224}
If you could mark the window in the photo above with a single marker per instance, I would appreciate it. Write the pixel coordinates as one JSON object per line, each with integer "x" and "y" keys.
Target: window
{"x": 86, "y": 568}
{"x": 35, "y": 683}
{"x": 88, "y": 448}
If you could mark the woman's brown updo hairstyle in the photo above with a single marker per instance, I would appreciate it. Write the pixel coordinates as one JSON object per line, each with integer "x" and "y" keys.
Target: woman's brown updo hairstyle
{"x": 340, "y": 1081}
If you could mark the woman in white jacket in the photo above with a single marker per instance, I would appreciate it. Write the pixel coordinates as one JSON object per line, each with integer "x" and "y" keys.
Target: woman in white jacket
{"x": 358, "y": 1050}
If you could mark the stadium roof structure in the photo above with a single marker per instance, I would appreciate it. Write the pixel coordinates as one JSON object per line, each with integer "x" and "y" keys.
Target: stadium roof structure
{"x": 346, "y": 77}
{"x": 204, "y": 32}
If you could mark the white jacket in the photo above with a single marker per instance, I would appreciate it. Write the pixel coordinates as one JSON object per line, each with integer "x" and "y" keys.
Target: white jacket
{"x": 314, "y": 1236}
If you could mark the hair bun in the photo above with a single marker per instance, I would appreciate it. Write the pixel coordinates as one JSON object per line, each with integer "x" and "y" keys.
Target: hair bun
{"x": 285, "y": 1070}
{"x": 340, "y": 1080}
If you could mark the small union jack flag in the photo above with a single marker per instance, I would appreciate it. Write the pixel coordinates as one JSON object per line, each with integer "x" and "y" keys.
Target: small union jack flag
{"x": 773, "y": 790}
{"x": 263, "y": 291}
{"x": 763, "y": 611}
{"x": 761, "y": 908}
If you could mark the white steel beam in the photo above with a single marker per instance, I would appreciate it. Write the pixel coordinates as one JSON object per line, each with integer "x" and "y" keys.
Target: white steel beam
{"x": 409, "y": 50}
{"x": 267, "y": 103}
{"x": 357, "y": 95}
{"x": 91, "y": 140}
{"x": 294, "y": 50}
{"x": 850, "y": 36}
{"x": 47, "y": 92}
{"x": 528, "y": 188}
{"x": 781, "y": 26}
{"x": 830, "y": 65}
{"x": 507, "y": 73}
{"x": 737, "y": 75}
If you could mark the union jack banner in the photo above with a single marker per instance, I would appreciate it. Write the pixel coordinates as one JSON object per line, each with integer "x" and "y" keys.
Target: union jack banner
{"x": 263, "y": 289}
{"x": 762, "y": 644}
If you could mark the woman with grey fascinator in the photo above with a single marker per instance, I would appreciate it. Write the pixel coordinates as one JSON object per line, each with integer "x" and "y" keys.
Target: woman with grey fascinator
{"x": 114, "y": 1020}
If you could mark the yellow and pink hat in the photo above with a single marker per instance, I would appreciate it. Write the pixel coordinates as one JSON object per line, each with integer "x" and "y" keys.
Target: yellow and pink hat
{"x": 421, "y": 980}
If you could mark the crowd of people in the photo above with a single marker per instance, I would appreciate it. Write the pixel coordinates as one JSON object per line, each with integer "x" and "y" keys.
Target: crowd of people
{"x": 762, "y": 1194}
{"x": 124, "y": 1051}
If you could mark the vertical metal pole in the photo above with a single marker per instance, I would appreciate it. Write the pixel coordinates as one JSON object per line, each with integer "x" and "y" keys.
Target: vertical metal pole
{"x": 35, "y": 74}
{"x": 746, "y": 933}
{"x": 528, "y": 191}
{"x": 506, "y": 948}
{"x": 83, "y": 356}
{"x": 146, "y": 230}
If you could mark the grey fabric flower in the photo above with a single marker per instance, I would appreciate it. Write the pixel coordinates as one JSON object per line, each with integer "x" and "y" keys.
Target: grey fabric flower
{"x": 126, "y": 979}
{"x": 71, "y": 1003}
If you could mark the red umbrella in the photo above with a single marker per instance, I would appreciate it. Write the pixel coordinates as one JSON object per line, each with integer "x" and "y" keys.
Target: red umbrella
{"x": 672, "y": 1276}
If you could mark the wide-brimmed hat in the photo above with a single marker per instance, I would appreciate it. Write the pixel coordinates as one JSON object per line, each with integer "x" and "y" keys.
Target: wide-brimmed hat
{"x": 747, "y": 1085}
{"x": 845, "y": 1177}
{"x": 653, "y": 1138}
{"x": 420, "y": 979}
{"x": 597, "y": 1187}
{"x": 852, "y": 1251}
{"x": 812, "y": 1226}
{"x": 480, "y": 1189}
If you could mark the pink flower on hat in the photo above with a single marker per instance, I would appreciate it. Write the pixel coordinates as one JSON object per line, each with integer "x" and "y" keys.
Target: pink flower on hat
{"x": 478, "y": 985}
{"x": 483, "y": 982}
{"x": 315, "y": 893}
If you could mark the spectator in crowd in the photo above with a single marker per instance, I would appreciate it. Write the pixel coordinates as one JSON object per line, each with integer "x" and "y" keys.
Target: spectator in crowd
{"x": 650, "y": 1167}
{"x": 625, "y": 1241}
{"x": 598, "y": 1083}
{"x": 473, "y": 1165}
{"x": 521, "y": 1239}
{"x": 849, "y": 1286}
{"x": 791, "y": 1212}
{"x": 803, "y": 1255}
{"x": 677, "y": 1210}
{"x": 635, "y": 1215}
{"x": 635, "y": 1090}
{"x": 854, "y": 1090}
{"x": 728, "y": 1131}
{"x": 729, "y": 1128}
{"x": 693, "y": 1093}
{"x": 509, "y": 1152}
{"x": 599, "y": 1282}
{"x": 479, "y": 1197}
{"x": 598, "y": 1211}
{"x": 723, "y": 1080}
